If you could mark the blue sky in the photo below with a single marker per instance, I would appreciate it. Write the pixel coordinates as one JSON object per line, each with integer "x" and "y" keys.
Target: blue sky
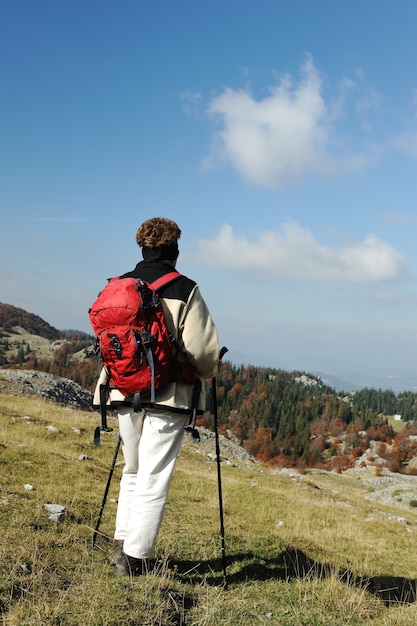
{"x": 281, "y": 136}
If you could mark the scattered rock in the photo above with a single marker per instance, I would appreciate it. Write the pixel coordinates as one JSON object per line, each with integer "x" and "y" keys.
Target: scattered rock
{"x": 57, "y": 512}
{"x": 28, "y": 487}
{"x": 25, "y": 567}
{"x": 53, "y": 429}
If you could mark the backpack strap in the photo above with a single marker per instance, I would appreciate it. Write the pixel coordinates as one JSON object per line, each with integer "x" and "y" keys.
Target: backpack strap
{"x": 146, "y": 341}
{"x": 103, "y": 411}
{"x": 193, "y": 411}
{"x": 165, "y": 280}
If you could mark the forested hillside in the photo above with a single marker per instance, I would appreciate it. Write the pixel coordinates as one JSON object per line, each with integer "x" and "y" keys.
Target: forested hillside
{"x": 291, "y": 419}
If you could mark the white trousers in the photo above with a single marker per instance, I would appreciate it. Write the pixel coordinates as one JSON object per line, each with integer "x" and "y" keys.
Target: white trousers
{"x": 150, "y": 442}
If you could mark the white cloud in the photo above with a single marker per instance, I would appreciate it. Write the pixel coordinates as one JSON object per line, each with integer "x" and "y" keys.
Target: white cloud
{"x": 285, "y": 136}
{"x": 295, "y": 255}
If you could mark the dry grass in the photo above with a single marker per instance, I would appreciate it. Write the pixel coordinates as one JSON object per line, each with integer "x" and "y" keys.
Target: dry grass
{"x": 308, "y": 551}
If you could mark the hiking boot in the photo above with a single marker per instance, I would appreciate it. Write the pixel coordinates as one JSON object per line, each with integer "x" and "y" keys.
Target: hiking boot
{"x": 117, "y": 550}
{"x": 130, "y": 566}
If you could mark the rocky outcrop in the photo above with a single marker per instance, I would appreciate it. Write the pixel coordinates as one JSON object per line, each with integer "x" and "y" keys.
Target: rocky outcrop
{"x": 30, "y": 382}
{"x": 231, "y": 453}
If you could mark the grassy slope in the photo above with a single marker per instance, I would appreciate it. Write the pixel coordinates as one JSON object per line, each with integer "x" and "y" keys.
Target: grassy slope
{"x": 309, "y": 551}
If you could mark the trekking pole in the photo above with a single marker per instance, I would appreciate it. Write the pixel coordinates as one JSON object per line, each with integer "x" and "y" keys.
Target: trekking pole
{"x": 106, "y": 491}
{"x": 219, "y": 477}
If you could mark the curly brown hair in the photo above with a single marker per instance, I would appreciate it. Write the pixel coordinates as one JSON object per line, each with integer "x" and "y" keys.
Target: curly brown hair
{"x": 157, "y": 232}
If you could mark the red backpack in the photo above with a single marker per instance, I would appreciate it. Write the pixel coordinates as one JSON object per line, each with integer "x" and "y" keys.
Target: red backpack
{"x": 132, "y": 337}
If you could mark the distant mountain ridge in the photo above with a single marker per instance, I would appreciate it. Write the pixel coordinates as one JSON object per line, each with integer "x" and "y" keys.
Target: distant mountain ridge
{"x": 12, "y": 317}
{"x": 341, "y": 382}
{"x": 355, "y": 381}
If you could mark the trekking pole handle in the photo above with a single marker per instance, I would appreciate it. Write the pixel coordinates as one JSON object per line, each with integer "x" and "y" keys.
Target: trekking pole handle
{"x": 223, "y": 352}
